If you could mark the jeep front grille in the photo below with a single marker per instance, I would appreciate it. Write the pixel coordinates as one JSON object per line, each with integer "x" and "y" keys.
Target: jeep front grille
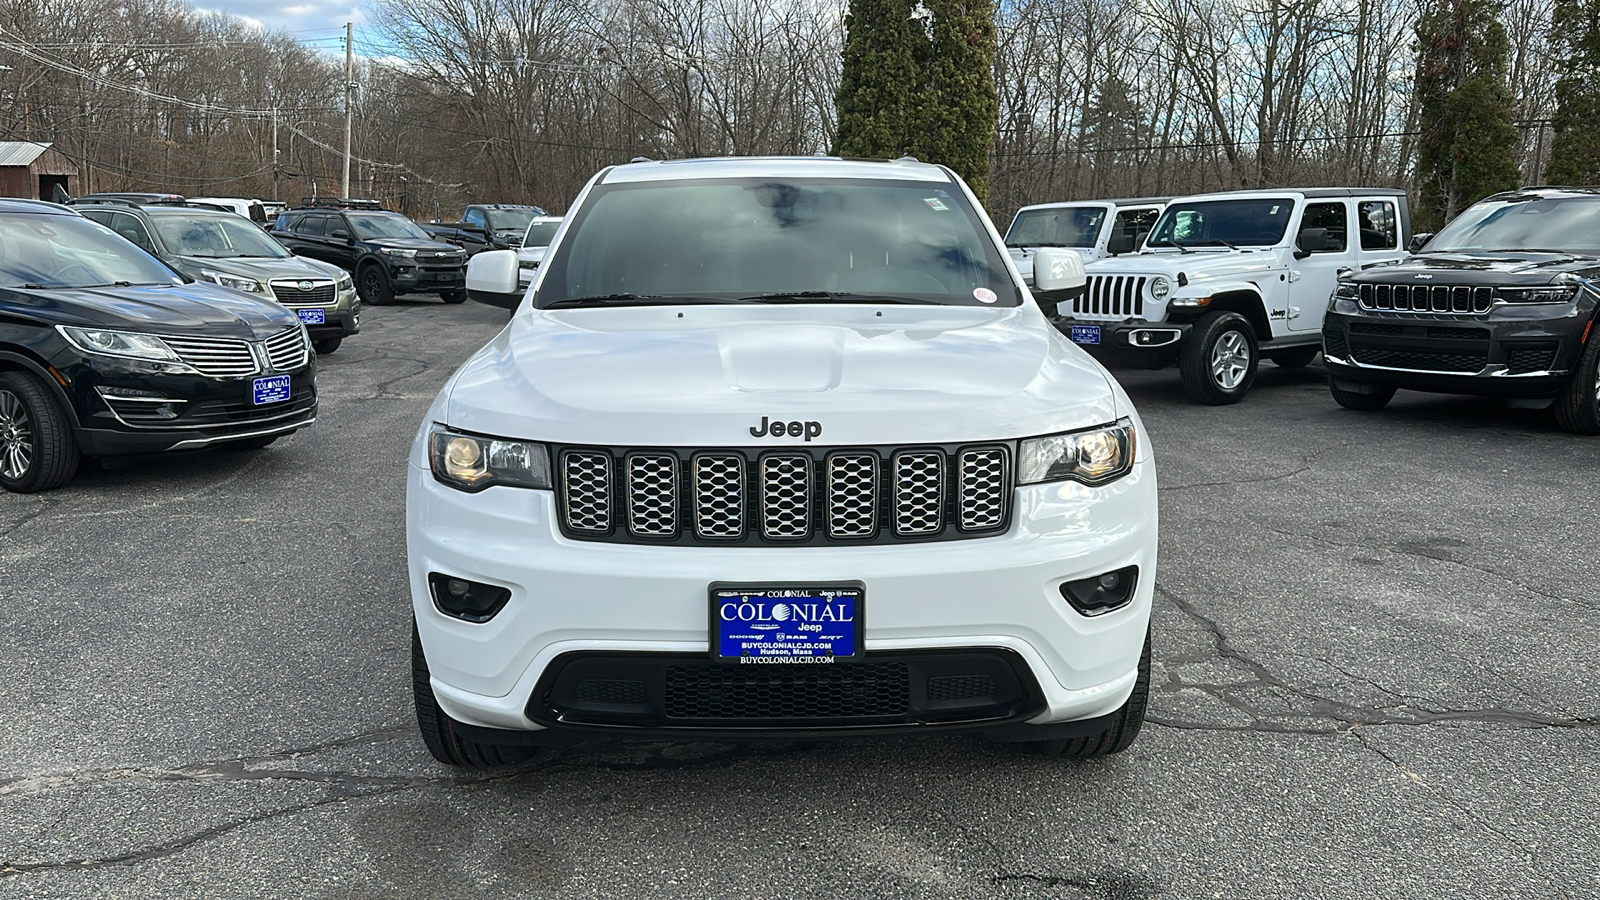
{"x": 1118, "y": 296}
{"x": 804, "y": 495}
{"x": 1427, "y": 298}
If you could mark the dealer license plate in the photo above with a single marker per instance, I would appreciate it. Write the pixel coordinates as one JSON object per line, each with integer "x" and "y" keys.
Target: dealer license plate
{"x": 313, "y": 316}
{"x": 786, "y": 624}
{"x": 272, "y": 389}
{"x": 1086, "y": 334}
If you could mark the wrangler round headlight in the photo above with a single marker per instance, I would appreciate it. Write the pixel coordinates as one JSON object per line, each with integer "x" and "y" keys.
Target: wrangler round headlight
{"x": 1160, "y": 288}
{"x": 1092, "y": 457}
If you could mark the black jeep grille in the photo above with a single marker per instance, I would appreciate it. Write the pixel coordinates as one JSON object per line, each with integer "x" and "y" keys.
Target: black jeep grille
{"x": 1522, "y": 360}
{"x": 804, "y": 495}
{"x": 1427, "y": 298}
{"x": 1422, "y": 360}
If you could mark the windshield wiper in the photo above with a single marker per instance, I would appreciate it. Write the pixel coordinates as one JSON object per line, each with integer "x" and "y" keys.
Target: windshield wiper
{"x": 1169, "y": 243}
{"x": 631, "y": 300}
{"x": 1041, "y": 244}
{"x": 1231, "y": 244}
{"x": 811, "y": 296}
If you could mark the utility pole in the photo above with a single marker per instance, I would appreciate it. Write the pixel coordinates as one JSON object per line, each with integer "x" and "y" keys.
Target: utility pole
{"x": 349, "y": 104}
{"x": 274, "y": 153}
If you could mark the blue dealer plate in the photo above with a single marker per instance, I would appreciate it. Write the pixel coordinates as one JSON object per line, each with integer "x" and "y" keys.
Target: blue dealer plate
{"x": 313, "y": 316}
{"x": 1086, "y": 334}
{"x": 779, "y": 624}
{"x": 273, "y": 389}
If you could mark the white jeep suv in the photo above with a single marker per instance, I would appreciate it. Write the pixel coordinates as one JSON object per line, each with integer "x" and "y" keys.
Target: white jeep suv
{"x": 778, "y": 448}
{"x": 1225, "y": 279}
{"x": 1094, "y": 228}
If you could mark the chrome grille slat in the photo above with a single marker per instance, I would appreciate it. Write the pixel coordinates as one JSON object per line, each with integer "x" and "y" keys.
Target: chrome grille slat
{"x": 288, "y": 351}
{"x": 653, "y": 494}
{"x": 217, "y": 357}
{"x": 983, "y": 488}
{"x": 918, "y": 492}
{"x": 586, "y": 490}
{"x": 719, "y": 496}
{"x": 852, "y": 495}
{"x": 786, "y": 496}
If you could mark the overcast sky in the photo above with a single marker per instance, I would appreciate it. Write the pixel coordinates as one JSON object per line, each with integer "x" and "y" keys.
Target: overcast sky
{"x": 319, "y": 23}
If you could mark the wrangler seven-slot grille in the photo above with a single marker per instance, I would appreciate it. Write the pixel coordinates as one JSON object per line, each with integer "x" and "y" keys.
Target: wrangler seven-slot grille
{"x": 736, "y": 496}
{"x": 1111, "y": 295}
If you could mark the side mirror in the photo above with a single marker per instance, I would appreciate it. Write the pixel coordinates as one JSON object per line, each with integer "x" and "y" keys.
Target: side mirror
{"x": 1419, "y": 241}
{"x": 492, "y": 279}
{"x": 1311, "y": 240}
{"x": 1058, "y": 269}
{"x": 1120, "y": 244}
{"x": 339, "y": 233}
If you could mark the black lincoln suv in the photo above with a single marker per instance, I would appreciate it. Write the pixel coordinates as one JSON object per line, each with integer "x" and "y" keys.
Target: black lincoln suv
{"x": 386, "y": 252}
{"x": 105, "y": 350}
{"x": 1499, "y": 303}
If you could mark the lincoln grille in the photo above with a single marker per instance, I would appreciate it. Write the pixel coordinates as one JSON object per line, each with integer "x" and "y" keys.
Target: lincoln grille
{"x": 1111, "y": 295}
{"x": 217, "y": 357}
{"x": 793, "y": 496}
{"x": 288, "y": 351}
{"x": 1427, "y": 298}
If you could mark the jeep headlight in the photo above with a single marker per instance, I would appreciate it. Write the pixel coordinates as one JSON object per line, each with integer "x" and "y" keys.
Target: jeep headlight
{"x": 1093, "y": 457}
{"x": 237, "y": 282}
{"x": 1558, "y": 294}
{"x": 1160, "y": 288}
{"x": 471, "y": 462}
{"x": 1346, "y": 290}
{"x": 399, "y": 251}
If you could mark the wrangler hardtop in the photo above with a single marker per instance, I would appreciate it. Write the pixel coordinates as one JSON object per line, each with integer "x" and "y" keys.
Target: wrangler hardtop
{"x": 1225, "y": 279}
{"x": 1094, "y": 228}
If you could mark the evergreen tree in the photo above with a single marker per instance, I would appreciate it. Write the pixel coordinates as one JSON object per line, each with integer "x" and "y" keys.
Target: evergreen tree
{"x": 1575, "y": 150}
{"x": 958, "y": 106}
{"x": 877, "y": 89}
{"x": 1467, "y": 149}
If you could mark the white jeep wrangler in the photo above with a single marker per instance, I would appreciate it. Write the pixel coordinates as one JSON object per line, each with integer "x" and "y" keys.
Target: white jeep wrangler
{"x": 1225, "y": 279}
{"x": 1094, "y": 228}
{"x": 778, "y": 448}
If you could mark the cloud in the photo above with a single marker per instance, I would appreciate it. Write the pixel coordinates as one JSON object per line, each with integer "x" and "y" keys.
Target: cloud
{"x": 310, "y": 20}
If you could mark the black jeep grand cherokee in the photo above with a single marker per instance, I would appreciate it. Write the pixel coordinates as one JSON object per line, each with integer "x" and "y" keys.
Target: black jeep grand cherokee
{"x": 1499, "y": 303}
{"x": 105, "y": 350}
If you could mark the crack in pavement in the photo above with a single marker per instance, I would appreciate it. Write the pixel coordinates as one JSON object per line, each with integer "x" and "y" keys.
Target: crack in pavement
{"x": 1306, "y": 464}
{"x": 45, "y": 504}
{"x": 1344, "y": 716}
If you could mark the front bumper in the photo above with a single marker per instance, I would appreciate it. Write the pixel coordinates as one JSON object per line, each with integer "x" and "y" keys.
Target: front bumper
{"x": 1130, "y": 343}
{"x": 1509, "y": 352}
{"x": 999, "y": 597}
{"x": 407, "y": 279}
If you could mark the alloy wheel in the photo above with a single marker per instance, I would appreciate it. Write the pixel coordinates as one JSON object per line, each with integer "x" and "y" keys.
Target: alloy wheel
{"x": 1230, "y": 360}
{"x": 16, "y": 437}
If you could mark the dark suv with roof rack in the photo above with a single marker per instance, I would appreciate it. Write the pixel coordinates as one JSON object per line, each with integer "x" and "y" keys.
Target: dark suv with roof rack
{"x": 386, "y": 252}
{"x": 1499, "y": 303}
{"x": 105, "y": 350}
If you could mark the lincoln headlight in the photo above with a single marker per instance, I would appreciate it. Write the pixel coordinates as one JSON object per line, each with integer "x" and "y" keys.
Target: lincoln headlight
{"x": 1093, "y": 457}
{"x": 125, "y": 345}
{"x": 472, "y": 462}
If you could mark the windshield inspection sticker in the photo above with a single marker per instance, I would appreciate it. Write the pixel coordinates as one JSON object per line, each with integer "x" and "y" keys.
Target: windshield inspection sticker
{"x": 935, "y": 203}
{"x": 984, "y": 295}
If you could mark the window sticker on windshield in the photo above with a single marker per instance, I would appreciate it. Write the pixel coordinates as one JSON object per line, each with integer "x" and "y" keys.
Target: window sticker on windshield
{"x": 984, "y": 295}
{"x": 1273, "y": 211}
{"x": 935, "y": 203}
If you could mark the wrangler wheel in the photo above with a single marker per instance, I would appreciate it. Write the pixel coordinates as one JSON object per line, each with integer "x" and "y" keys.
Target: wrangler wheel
{"x": 1218, "y": 362}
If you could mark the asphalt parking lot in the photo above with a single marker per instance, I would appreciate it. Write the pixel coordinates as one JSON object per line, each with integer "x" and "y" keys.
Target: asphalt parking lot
{"x": 1376, "y": 670}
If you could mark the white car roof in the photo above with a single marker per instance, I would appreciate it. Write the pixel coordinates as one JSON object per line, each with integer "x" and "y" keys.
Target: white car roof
{"x": 775, "y": 167}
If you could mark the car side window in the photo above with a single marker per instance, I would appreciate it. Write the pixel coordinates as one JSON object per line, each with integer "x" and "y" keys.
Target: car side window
{"x": 1379, "y": 224}
{"x": 1333, "y": 218}
{"x": 475, "y": 217}
{"x": 134, "y": 230}
{"x": 314, "y": 226}
{"x": 1134, "y": 222}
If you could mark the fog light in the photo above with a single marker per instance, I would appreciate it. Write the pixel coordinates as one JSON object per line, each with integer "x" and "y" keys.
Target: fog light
{"x": 468, "y": 600}
{"x": 1102, "y": 593}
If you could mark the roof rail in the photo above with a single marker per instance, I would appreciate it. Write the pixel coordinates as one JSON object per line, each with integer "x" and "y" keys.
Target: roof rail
{"x": 106, "y": 201}
{"x": 340, "y": 203}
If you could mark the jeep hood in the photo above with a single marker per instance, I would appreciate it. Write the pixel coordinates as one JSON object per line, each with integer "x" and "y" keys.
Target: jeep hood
{"x": 1198, "y": 265}
{"x": 1504, "y": 267}
{"x": 703, "y": 375}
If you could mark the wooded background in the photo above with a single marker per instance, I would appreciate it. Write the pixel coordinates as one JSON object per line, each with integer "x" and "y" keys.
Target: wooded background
{"x": 523, "y": 100}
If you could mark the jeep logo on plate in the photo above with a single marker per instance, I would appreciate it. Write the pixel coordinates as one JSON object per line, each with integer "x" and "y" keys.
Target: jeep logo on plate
{"x": 305, "y": 285}
{"x": 808, "y": 430}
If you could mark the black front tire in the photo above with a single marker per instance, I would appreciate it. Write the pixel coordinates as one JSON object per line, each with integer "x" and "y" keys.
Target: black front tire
{"x": 1577, "y": 407}
{"x": 1124, "y": 727}
{"x": 1218, "y": 363}
{"x": 373, "y": 286}
{"x": 37, "y": 449}
{"x": 1378, "y": 399}
{"x": 454, "y": 296}
{"x": 1296, "y": 358}
{"x": 442, "y": 734}
{"x": 324, "y": 346}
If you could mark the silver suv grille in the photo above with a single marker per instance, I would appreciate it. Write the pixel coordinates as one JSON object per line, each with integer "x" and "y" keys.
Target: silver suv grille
{"x": 1111, "y": 295}
{"x": 793, "y": 496}
{"x": 288, "y": 292}
{"x": 1427, "y": 298}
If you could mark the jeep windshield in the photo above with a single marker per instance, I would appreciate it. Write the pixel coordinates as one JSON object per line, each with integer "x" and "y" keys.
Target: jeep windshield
{"x": 1070, "y": 226}
{"x": 1226, "y": 224}
{"x": 377, "y": 226}
{"x": 216, "y": 237}
{"x": 1529, "y": 224}
{"x": 540, "y": 234}
{"x": 72, "y": 252}
{"x": 817, "y": 240}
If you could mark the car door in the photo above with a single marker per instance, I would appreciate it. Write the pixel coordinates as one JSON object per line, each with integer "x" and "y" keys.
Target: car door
{"x": 1378, "y": 225}
{"x": 1133, "y": 221}
{"x": 311, "y": 234}
{"x": 1315, "y": 275}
